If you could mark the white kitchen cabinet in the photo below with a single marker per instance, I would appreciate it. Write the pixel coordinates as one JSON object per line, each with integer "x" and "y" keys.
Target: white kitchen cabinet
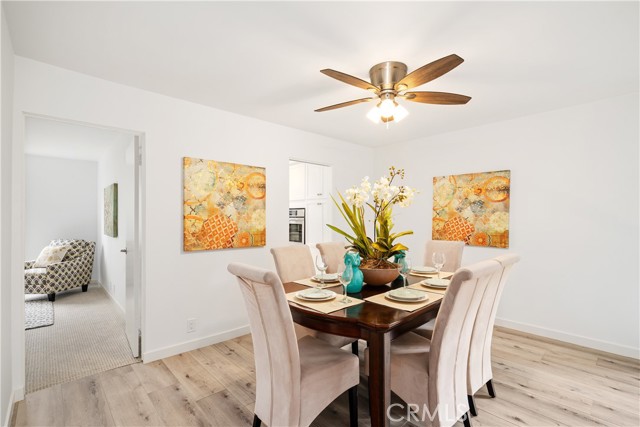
{"x": 297, "y": 181}
{"x": 316, "y": 220}
{"x": 316, "y": 188}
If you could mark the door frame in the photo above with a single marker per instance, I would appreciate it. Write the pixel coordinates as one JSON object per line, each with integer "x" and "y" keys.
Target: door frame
{"x": 18, "y": 238}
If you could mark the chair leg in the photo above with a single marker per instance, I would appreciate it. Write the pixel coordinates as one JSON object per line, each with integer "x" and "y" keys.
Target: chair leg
{"x": 472, "y": 405}
{"x": 256, "y": 421}
{"x": 466, "y": 419}
{"x": 52, "y": 297}
{"x": 354, "y": 347}
{"x": 353, "y": 406}
{"x": 84, "y": 288}
{"x": 490, "y": 389}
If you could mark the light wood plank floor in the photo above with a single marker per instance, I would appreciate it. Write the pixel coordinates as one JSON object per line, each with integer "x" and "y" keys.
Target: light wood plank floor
{"x": 539, "y": 382}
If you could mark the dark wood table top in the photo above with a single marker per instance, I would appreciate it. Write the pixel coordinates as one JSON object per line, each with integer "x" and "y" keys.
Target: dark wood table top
{"x": 368, "y": 315}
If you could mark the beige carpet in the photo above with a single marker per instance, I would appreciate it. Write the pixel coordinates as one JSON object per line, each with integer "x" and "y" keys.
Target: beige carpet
{"x": 88, "y": 337}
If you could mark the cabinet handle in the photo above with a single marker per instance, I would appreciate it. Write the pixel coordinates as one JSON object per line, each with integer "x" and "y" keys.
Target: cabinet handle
{"x": 319, "y": 194}
{"x": 319, "y": 204}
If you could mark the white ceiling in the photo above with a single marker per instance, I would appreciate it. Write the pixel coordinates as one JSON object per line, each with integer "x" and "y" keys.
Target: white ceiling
{"x": 53, "y": 138}
{"x": 262, "y": 59}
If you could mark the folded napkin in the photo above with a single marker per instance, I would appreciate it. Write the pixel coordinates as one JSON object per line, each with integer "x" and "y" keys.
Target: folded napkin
{"x": 424, "y": 287}
{"x": 406, "y": 306}
{"x": 324, "y": 306}
{"x": 443, "y": 274}
{"x": 313, "y": 283}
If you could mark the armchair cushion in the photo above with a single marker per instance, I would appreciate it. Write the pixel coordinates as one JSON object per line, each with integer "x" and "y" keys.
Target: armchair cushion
{"x": 50, "y": 255}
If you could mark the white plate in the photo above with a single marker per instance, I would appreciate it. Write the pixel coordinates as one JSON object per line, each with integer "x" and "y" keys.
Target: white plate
{"x": 328, "y": 277}
{"x": 316, "y": 295}
{"x": 398, "y": 296}
{"x": 424, "y": 269}
{"x": 437, "y": 283}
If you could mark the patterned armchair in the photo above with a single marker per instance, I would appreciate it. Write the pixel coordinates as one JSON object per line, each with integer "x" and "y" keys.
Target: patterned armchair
{"x": 74, "y": 270}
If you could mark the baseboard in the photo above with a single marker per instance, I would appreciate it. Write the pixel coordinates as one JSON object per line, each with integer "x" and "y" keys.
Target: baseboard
{"x": 7, "y": 421}
{"x": 607, "y": 346}
{"x": 150, "y": 356}
{"x": 110, "y": 296}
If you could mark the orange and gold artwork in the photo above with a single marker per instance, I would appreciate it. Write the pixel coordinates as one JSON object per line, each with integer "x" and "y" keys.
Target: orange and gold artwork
{"x": 224, "y": 205}
{"x": 473, "y": 207}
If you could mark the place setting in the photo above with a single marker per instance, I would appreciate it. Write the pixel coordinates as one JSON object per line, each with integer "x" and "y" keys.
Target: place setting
{"x": 325, "y": 300}
{"x": 321, "y": 279}
{"x": 405, "y": 298}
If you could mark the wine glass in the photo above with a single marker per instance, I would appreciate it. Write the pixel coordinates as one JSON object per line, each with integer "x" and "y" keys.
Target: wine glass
{"x": 345, "y": 274}
{"x": 321, "y": 264}
{"x": 438, "y": 259}
{"x": 404, "y": 269}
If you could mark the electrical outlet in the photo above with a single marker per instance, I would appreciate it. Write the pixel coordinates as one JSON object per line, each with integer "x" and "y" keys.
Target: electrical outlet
{"x": 191, "y": 324}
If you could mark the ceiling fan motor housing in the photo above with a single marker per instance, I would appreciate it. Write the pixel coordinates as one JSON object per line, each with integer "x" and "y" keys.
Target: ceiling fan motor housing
{"x": 386, "y": 74}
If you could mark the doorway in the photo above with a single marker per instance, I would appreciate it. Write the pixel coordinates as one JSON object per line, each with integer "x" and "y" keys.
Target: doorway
{"x": 74, "y": 168}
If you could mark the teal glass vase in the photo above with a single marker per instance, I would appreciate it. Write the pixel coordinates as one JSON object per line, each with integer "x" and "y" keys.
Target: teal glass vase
{"x": 352, "y": 260}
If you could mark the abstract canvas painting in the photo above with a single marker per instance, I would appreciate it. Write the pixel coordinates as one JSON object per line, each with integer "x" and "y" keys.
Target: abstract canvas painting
{"x": 224, "y": 205}
{"x": 111, "y": 210}
{"x": 473, "y": 207}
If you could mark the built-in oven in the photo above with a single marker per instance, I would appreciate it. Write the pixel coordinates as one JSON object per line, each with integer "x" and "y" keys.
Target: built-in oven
{"x": 297, "y": 225}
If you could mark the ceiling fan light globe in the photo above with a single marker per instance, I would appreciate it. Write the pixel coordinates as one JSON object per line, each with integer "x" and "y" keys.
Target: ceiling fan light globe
{"x": 400, "y": 113}
{"x": 387, "y": 108}
{"x": 374, "y": 115}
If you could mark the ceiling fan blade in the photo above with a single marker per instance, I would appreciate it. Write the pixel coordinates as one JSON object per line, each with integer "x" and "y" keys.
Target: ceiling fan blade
{"x": 436, "y": 98}
{"x": 429, "y": 72}
{"x": 346, "y": 78}
{"x": 345, "y": 104}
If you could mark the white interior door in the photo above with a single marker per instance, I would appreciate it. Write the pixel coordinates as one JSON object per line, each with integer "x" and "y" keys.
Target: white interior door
{"x": 133, "y": 274}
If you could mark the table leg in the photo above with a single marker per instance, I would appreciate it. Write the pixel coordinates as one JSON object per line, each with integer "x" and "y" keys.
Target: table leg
{"x": 379, "y": 378}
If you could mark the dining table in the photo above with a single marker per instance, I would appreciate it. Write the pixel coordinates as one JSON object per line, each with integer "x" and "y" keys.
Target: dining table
{"x": 374, "y": 323}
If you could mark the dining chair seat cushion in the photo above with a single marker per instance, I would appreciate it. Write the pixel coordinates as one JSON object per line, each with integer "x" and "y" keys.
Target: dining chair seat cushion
{"x": 325, "y": 371}
{"x": 408, "y": 343}
{"x": 334, "y": 340}
{"x": 426, "y": 330}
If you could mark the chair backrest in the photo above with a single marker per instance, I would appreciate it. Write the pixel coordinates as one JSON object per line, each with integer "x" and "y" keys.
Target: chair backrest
{"x": 451, "y": 340}
{"x": 77, "y": 248}
{"x": 275, "y": 345}
{"x": 333, "y": 253}
{"x": 479, "y": 366}
{"x": 452, "y": 251}
{"x": 293, "y": 262}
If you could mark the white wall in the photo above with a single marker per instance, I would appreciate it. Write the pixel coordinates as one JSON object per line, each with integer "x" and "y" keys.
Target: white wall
{"x": 61, "y": 202}
{"x": 183, "y": 285}
{"x": 115, "y": 167}
{"x": 574, "y": 215}
{"x": 7, "y": 376}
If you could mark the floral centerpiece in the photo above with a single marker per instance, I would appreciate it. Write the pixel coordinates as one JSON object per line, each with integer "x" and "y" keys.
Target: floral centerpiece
{"x": 376, "y": 251}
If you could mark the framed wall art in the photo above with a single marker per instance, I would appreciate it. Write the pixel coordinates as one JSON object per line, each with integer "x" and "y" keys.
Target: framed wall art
{"x": 223, "y": 205}
{"x": 111, "y": 210}
{"x": 472, "y": 207}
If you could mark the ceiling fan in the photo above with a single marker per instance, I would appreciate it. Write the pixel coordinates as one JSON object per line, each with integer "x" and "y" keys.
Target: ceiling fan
{"x": 389, "y": 80}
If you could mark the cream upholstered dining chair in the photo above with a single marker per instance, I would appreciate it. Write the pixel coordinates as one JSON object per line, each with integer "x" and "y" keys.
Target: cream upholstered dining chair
{"x": 295, "y": 379}
{"x": 479, "y": 368}
{"x": 432, "y": 374}
{"x": 479, "y": 365}
{"x": 333, "y": 253}
{"x": 295, "y": 262}
{"x": 452, "y": 251}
